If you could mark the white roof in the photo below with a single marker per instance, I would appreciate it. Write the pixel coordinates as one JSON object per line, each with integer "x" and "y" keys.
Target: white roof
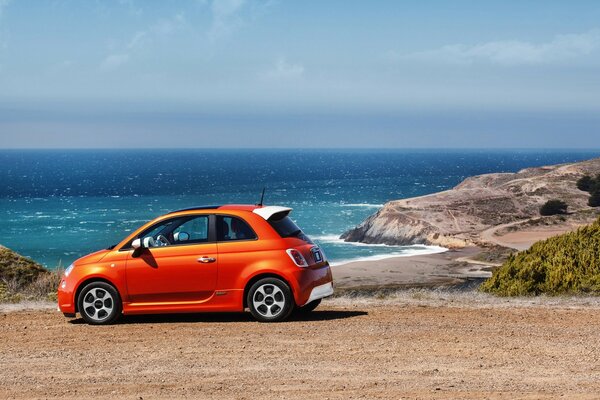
{"x": 268, "y": 211}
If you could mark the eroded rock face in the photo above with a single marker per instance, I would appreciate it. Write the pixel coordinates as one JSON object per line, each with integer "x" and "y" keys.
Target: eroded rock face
{"x": 456, "y": 217}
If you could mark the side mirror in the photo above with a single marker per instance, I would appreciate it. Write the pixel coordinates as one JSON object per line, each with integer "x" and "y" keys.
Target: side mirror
{"x": 140, "y": 244}
{"x": 181, "y": 236}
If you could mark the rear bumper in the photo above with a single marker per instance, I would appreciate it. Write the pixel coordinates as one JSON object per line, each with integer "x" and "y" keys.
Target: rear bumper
{"x": 320, "y": 292}
{"x": 313, "y": 283}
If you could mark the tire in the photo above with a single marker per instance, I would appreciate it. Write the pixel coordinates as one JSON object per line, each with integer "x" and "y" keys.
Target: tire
{"x": 99, "y": 303}
{"x": 307, "y": 308}
{"x": 270, "y": 300}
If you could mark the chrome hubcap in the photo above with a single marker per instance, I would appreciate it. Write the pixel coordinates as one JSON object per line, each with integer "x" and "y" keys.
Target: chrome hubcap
{"x": 98, "y": 304}
{"x": 268, "y": 300}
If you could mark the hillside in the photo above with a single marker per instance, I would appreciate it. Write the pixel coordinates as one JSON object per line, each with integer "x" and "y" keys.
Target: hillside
{"x": 482, "y": 208}
{"x": 569, "y": 263}
{"x": 23, "y": 278}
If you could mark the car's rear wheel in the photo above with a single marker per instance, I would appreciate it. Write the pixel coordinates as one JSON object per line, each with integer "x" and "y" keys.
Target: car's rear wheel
{"x": 99, "y": 303}
{"x": 270, "y": 300}
{"x": 305, "y": 309}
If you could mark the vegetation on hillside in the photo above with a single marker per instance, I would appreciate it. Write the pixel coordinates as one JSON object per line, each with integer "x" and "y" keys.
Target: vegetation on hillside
{"x": 553, "y": 207}
{"x": 592, "y": 186}
{"x": 23, "y": 279}
{"x": 564, "y": 264}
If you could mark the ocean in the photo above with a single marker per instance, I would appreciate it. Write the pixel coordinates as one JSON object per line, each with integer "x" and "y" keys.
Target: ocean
{"x": 58, "y": 205}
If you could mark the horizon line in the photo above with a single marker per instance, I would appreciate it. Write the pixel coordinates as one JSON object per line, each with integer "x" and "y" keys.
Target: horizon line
{"x": 586, "y": 149}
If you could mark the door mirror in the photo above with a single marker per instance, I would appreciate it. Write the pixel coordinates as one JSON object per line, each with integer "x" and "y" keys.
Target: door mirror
{"x": 139, "y": 245}
{"x": 143, "y": 243}
{"x": 181, "y": 236}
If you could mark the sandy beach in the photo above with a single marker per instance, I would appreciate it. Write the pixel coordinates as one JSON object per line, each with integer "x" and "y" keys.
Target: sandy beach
{"x": 450, "y": 268}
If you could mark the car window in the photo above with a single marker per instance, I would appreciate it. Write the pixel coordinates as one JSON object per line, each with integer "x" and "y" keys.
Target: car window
{"x": 181, "y": 230}
{"x": 194, "y": 230}
{"x": 285, "y": 227}
{"x": 232, "y": 228}
{"x": 161, "y": 228}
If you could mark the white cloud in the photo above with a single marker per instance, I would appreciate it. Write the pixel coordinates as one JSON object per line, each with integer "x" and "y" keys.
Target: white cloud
{"x": 137, "y": 39}
{"x": 130, "y": 5}
{"x": 165, "y": 27}
{"x": 161, "y": 29}
{"x": 225, "y": 17}
{"x": 282, "y": 70}
{"x": 114, "y": 61}
{"x": 561, "y": 49}
{"x": 3, "y": 4}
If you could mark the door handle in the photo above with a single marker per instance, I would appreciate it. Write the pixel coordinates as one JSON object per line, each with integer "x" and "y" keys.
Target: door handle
{"x": 206, "y": 260}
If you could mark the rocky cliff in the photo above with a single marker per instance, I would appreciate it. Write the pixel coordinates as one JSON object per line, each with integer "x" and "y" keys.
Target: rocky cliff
{"x": 458, "y": 217}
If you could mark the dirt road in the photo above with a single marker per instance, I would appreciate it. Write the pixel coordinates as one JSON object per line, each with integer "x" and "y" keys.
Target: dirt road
{"x": 402, "y": 348}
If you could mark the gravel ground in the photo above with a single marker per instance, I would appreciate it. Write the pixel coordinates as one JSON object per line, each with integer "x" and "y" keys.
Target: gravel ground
{"x": 416, "y": 344}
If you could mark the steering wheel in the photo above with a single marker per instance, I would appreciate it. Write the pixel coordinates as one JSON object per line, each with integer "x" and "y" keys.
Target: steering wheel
{"x": 162, "y": 241}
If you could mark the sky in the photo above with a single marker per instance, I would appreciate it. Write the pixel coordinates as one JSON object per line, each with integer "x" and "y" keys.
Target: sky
{"x": 311, "y": 74}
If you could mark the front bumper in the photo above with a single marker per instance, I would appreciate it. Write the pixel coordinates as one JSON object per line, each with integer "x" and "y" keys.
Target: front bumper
{"x": 66, "y": 296}
{"x": 320, "y": 292}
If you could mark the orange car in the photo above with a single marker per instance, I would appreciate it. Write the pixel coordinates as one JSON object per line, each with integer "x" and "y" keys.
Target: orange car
{"x": 221, "y": 258}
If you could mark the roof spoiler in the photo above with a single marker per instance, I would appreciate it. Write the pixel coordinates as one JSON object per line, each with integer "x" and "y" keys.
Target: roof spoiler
{"x": 269, "y": 212}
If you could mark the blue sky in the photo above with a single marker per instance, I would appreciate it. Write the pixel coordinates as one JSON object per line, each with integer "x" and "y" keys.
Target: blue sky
{"x": 243, "y": 73}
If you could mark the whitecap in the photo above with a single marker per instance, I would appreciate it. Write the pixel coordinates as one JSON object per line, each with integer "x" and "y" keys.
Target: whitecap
{"x": 366, "y": 205}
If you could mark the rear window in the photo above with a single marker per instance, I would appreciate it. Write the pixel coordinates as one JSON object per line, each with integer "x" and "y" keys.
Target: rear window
{"x": 285, "y": 227}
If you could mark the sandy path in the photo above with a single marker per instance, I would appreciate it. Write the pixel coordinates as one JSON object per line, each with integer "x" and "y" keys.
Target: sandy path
{"x": 489, "y": 235}
{"x": 349, "y": 349}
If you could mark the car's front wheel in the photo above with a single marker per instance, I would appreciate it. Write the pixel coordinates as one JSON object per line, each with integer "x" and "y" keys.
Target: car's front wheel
{"x": 270, "y": 300}
{"x": 99, "y": 303}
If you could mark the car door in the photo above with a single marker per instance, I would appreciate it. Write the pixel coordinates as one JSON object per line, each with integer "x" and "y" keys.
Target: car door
{"x": 183, "y": 271}
{"x": 238, "y": 247}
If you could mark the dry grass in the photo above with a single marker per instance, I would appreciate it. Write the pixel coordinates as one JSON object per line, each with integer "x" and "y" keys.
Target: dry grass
{"x": 41, "y": 288}
{"x": 461, "y": 299}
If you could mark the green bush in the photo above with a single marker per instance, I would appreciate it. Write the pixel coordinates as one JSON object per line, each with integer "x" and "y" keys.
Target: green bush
{"x": 568, "y": 263}
{"x": 553, "y": 207}
{"x": 592, "y": 186}
{"x": 594, "y": 200}
{"x": 586, "y": 183}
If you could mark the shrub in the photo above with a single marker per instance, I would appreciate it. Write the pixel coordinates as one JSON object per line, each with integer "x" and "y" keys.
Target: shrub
{"x": 568, "y": 263}
{"x": 594, "y": 200}
{"x": 586, "y": 183}
{"x": 16, "y": 267}
{"x": 22, "y": 278}
{"x": 553, "y": 207}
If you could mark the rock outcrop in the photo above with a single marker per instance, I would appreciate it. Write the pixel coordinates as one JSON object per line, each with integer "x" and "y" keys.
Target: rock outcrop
{"x": 457, "y": 217}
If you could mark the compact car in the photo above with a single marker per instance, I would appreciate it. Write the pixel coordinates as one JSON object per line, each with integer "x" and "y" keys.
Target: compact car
{"x": 203, "y": 259}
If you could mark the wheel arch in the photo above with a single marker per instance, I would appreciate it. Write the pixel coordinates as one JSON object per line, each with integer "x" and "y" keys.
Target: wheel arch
{"x": 87, "y": 281}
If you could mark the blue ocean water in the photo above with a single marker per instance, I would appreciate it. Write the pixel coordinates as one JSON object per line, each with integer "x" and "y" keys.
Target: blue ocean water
{"x": 56, "y": 206}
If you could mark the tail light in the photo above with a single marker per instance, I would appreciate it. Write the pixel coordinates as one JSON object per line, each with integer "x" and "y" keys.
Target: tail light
{"x": 297, "y": 257}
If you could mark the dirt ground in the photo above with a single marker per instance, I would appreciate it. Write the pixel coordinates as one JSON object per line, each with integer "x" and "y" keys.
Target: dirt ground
{"x": 405, "y": 347}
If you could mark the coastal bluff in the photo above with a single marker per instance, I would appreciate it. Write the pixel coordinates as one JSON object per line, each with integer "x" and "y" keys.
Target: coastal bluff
{"x": 483, "y": 208}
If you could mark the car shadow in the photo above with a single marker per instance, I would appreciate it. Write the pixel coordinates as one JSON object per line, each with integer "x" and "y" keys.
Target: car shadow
{"x": 326, "y": 315}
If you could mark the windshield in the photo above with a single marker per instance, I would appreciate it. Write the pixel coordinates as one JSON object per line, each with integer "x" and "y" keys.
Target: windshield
{"x": 288, "y": 228}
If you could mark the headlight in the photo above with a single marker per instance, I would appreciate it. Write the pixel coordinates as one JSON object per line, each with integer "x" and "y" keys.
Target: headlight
{"x": 68, "y": 270}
